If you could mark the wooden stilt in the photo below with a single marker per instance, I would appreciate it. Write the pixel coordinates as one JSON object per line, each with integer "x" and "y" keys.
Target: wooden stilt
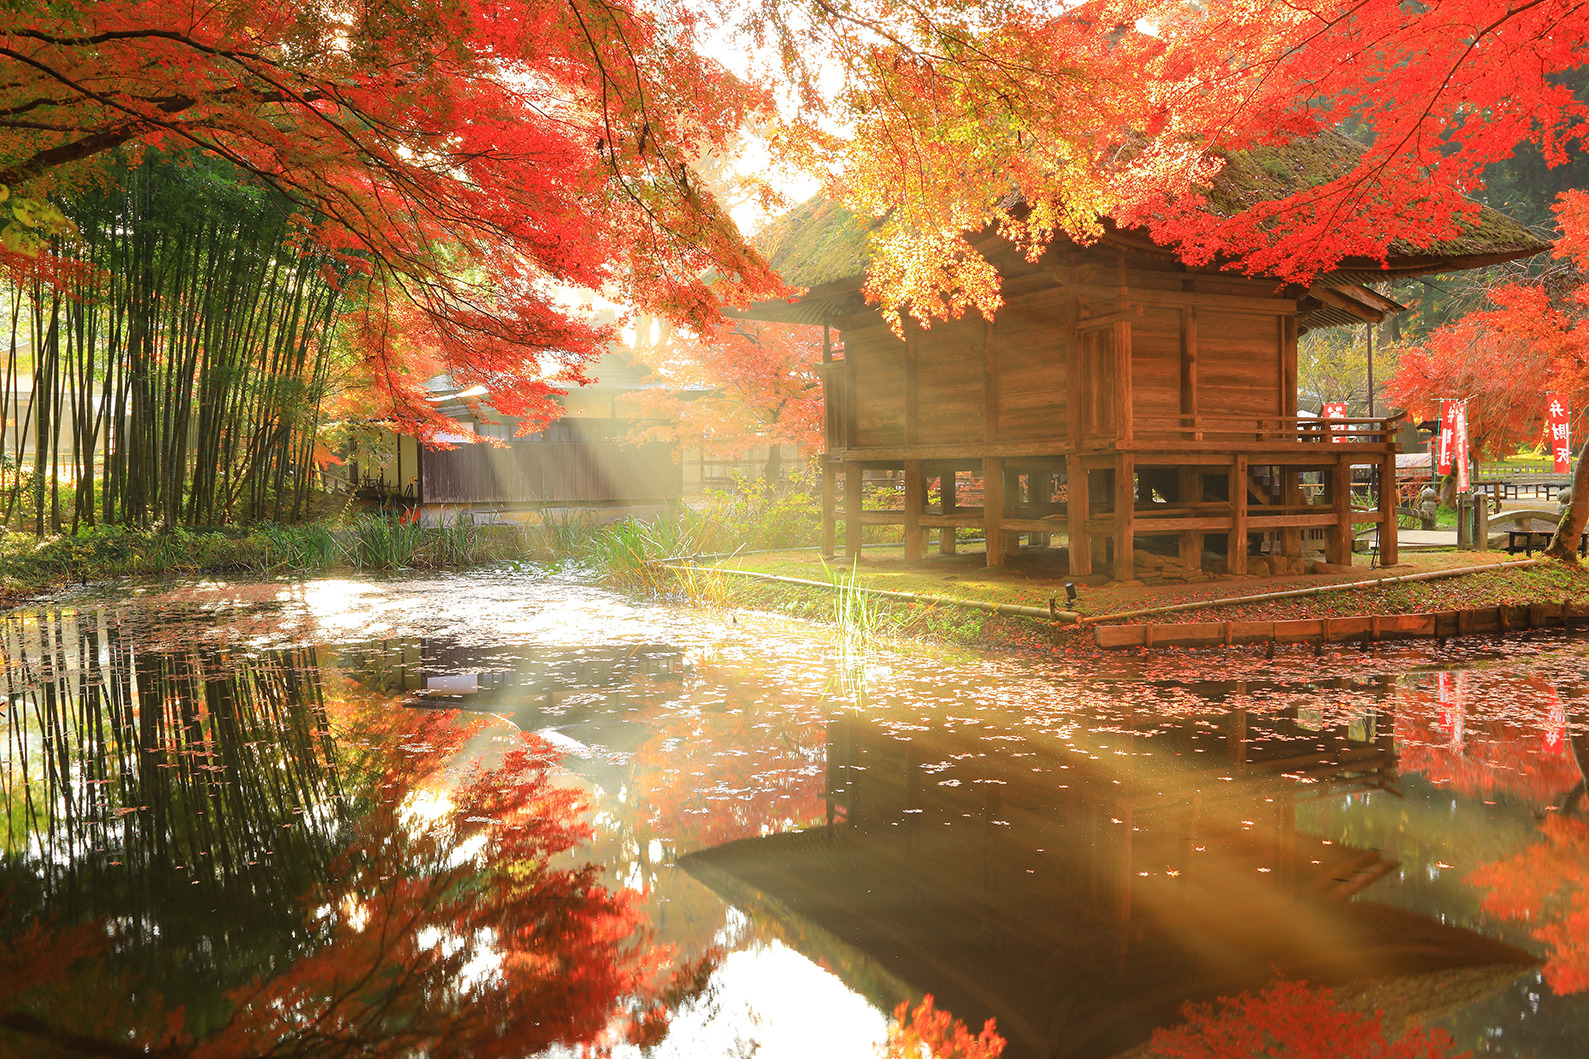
{"x": 829, "y": 509}
{"x": 1291, "y": 496}
{"x": 1389, "y": 550}
{"x": 946, "y": 536}
{"x": 1012, "y": 501}
{"x": 852, "y": 510}
{"x": 993, "y": 508}
{"x": 1339, "y": 543}
{"x": 1236, "y": 544}
{"x": 1189, "y": 482}
{"x": 915, "y": 502}
{"x": 1125, "y": 517}
{"x": 1077, "y": 508}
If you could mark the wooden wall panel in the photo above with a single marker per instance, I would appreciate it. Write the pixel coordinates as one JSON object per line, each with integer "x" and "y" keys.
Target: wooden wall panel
{"x": 1156, "y": 363}
{"x": 1031, "y": 341}
{"x": 949, "y": 382}
{"x": 879, "y": 386}
{"x": 1238, "y": 370}
{"x": 529, "y": 470}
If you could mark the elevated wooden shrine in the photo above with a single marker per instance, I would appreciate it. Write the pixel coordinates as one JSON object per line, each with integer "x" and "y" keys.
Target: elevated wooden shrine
{"x": 1120, "y": 397}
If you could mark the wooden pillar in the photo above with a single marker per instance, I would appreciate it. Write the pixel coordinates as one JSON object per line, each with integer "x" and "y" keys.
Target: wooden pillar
{"x": 1389, "y": 548}
{"x": 1236, "y": 545}
{"x": 946, "y": 535}
{"x": 1125, "y": 516}
{"x": 1189, "y": 372}
{"x": 852, "y": 510}
{"x": 1122, "y": 361}
{"x": 993, "y": 508}
{"x": 915, "y": 503}
{"x": 830, "y": 488}
{"x": 1189, "y": 491}
{"x": 990, "y": 384}
{"x": 912, "y": 343}
{"x": 1339, "y": 544}
{"x": 1077, "y": 508}
{"x": 1288, "y": 367}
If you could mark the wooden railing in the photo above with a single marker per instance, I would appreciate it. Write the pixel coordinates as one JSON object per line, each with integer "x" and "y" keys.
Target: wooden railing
{"x": 1264, "y": 429}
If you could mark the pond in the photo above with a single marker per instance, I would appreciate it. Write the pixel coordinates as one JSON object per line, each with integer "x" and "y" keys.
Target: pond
{"x": 505, "y": 814}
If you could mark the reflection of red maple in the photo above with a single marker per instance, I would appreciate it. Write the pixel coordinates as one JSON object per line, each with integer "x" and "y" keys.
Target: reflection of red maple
{"x": 769, "y": 778}
{"x": 936, "y": 1033}
{"x": 1547, "y": 884}
{"x": 1291, "y": 1019}
{"x": 444, "y": 929}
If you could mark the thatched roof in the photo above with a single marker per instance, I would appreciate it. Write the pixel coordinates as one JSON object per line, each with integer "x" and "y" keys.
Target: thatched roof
{"x": 820, "y": 242}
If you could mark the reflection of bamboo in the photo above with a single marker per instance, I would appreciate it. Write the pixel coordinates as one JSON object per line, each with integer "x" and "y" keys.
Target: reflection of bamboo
{"x": 150, "y": 782}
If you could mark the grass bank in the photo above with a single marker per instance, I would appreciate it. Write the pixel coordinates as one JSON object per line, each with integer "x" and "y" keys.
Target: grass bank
{"x": 30, "y": 564}
{"x": 1029, "y": 582}
{"x": 623, "y": 552}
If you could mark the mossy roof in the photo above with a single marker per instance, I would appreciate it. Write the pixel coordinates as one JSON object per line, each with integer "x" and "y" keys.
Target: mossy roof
{"x": 817, "y": 242}
{"x": 821, "y": 242}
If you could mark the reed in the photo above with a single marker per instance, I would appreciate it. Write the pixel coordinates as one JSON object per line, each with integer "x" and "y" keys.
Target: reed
{"x": 380, "y": 542}
{"x": 859, "y": 618}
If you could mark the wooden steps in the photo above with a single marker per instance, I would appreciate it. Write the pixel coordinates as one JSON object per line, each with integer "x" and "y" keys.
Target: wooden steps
{"x": 1364, "y": 627}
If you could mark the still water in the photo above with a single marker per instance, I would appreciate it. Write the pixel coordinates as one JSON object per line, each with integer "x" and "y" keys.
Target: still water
{"x": 505, "y": 814}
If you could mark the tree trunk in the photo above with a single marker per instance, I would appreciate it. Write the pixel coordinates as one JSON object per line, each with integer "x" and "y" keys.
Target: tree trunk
{"x": 772, "y": 470}
{"x": 1565, "y": 544}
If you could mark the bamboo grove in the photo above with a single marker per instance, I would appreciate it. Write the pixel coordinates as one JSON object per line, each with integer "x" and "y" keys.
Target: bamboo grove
{"x": 179, "y": 376}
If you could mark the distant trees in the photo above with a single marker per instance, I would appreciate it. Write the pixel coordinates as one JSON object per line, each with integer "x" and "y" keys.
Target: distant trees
{"x": 740, "y": 387}
{"x": 1531, "y": 337}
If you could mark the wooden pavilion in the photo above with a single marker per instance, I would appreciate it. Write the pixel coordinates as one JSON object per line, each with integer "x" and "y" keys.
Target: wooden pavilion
{"x": 1121, "y": 397}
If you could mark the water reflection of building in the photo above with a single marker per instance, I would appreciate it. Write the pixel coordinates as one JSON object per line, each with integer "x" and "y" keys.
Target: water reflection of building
{"x": 1079, "y": 892}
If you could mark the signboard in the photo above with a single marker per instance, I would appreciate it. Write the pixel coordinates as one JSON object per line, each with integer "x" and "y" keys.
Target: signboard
{"x": 1334, "y": 410}
{"x": 1556, "y": 415}
{"x": 1443, "y": 443}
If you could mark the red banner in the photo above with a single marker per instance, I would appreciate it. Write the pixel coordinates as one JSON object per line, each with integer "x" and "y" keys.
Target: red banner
{"x": 1560, "y": 444}
{"x": 1334, "y": 410}
{"x": 1459, "y": 443}
{"x": 1443, "y": 448}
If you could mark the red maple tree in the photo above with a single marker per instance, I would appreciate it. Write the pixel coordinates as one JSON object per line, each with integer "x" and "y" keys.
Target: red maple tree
{"x": 973, "y": 117}
{"x": 471, "y": 162}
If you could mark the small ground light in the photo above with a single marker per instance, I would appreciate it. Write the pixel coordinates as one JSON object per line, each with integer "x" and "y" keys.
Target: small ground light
{"x": 1070, "y": 591}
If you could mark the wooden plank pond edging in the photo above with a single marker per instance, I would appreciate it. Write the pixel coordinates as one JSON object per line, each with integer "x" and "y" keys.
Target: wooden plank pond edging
{"x": 1369, "y": 628}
